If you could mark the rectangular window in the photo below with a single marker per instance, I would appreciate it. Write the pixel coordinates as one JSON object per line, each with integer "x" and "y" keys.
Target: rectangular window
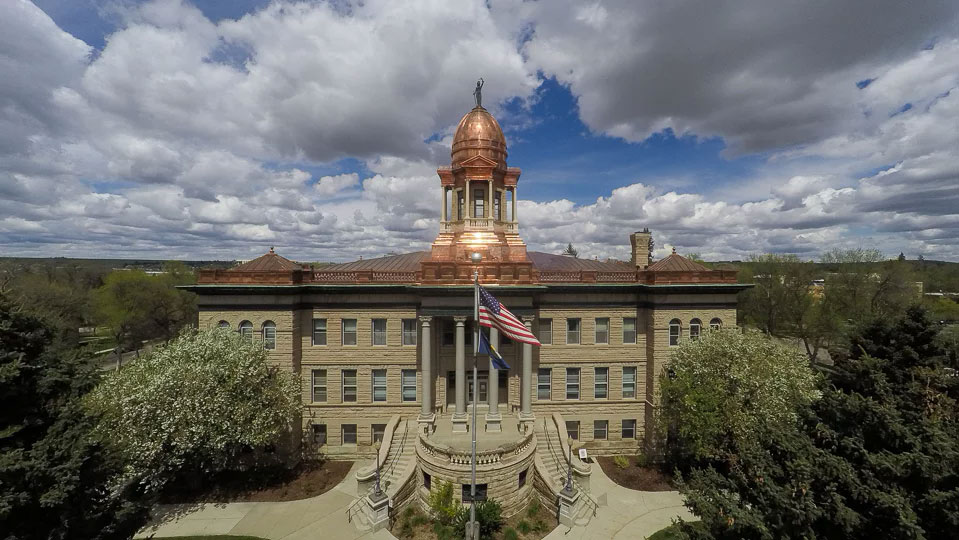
{"x": 546, "y": 331}
{"x": 602, "y": 331}
{"x": 674, "y": 333}
{"x": 480, "y": 493}
{"x": 449, "y": 333}
{"x": 349, "y": 433}
{"x": 378, "y": 430}
{"x": 319, "y": 385}
{"x": 319, "y": 331}
{"x": 319, "y": 434}
{"x": 629, "y": 382}
{"x": 629, "y": 330}
{"x": 349, "y": 385}
{"x": 479, "y": 203}
{"x": 379, "y": 331}
{"x": 409, "y": 384}
{"x": 572, "y": 383}
{"x": 601, "y": 383}
{"x": 460, "y": 202}
{"x": 543, "y": 383}
{"x": 600, "y": 427}
{"x": 379, "y": 385}
{"x": 349, "y": 331}
{"x": 572, "y": 331}
{"x": 629, "y": 429}
{"x": 427, "y": 481}
{"x": 572, "y": 429}
{"x": 496, "y": 208}
{"x": 409, "y": 331}
{"x": 522, "y": 477}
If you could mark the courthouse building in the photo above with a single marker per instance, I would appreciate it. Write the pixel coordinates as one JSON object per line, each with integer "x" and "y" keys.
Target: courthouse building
{"x": 384, "y": 346}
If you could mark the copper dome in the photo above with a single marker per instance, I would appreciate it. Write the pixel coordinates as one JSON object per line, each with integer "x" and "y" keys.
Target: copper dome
{"x": 478, "y": 133}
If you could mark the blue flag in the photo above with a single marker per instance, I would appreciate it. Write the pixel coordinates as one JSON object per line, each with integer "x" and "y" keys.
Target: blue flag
{"x": 486, "y": 348}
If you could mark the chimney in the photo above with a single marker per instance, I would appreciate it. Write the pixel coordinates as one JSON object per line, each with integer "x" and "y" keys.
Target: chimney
{"x": 640, "y": 243}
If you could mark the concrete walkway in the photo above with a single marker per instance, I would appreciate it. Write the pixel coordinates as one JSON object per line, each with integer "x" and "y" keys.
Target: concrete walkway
{"x": 625, "y": 513}
{"x": 323, "y": 516}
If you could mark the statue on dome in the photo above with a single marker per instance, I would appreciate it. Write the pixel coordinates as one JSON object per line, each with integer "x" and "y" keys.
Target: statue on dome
{"x": 478, "y": 93}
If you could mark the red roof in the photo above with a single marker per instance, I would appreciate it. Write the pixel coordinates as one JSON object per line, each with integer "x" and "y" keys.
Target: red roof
{"x": 271, "y": 262}
{"x": 676, "y": 263}
{"x": 406, "y": 262}
{"x": 548, "y": 261}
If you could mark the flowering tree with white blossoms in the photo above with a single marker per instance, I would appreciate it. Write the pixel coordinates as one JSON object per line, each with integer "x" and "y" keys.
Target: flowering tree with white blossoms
{"x": 724, "y": 387}
{"x": 193, "y": 406}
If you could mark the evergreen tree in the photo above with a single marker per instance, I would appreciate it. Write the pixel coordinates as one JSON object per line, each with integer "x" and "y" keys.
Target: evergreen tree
{"x": 570, "y": 250}
{"x": 55, "y": 480}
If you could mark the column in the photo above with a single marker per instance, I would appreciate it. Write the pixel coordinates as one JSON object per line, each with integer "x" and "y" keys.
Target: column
{"x": 426, "y": 370}
{"x": 494, "y": 421}
{"x": 466, "y": 199}
{"x": 460, "y": 417}
{"x": 489, "y": 212}
{"x": 514, "y": 204}
{"x": 526, "y": 402}
{"x": 443, "y": 213}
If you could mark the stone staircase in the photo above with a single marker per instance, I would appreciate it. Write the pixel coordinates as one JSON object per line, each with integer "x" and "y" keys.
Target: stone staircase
{"x": 550, "y": 451}
{"x": 395, "y": 471}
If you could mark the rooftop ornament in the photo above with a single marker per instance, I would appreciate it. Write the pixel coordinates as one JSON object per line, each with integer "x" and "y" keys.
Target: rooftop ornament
{"x": 478, "y": 93}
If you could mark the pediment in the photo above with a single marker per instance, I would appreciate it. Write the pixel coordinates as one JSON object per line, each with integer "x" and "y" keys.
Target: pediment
{"x": 478, "y": 161}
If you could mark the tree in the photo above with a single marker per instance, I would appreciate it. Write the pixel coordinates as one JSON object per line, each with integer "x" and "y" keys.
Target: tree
{"x": 719, "y": 390}
{"x": 191, "y": 408}
{"x": 876, "y": 457}
{"x": 901, "y": 257}
{"x": 56, "y": 480}
{"x": 570, "y": 250}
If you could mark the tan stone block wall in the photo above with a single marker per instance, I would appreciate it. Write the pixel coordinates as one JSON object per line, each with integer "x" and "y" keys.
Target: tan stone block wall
{"x": 283, "y": 354}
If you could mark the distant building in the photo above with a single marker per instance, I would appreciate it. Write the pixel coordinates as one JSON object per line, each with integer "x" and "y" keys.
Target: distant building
{"x": 384, "y": 346}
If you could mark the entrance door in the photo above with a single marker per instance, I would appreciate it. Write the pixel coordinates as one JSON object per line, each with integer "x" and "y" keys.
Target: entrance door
{"x": 482, "y": 378}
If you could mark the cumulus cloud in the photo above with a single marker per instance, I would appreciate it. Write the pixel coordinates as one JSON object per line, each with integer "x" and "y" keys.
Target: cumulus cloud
{"x": 187, "y": 137}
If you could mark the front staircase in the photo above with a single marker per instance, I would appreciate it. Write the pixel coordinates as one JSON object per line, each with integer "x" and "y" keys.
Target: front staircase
{"x": 396, "y": 472}
{"x": 553, "y": 465}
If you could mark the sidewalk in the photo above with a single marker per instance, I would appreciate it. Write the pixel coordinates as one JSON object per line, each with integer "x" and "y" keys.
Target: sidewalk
{"x": 323, "y": 516}
{"x": 625, "y": 513}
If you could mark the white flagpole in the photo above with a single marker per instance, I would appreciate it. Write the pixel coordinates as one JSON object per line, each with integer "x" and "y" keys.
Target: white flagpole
{"x": 474, "y": 527}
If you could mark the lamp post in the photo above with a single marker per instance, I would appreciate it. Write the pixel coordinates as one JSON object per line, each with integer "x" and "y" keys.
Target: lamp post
{"x": 472, "y": 528}
{"x": 568, "y": 488}
{"x": 377, "y": 491}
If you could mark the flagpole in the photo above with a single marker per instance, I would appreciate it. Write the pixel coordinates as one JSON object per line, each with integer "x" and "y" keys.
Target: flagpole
{"x": 474, "y": 529}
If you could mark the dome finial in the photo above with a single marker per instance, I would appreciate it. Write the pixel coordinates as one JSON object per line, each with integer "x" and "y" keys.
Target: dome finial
{"x": 478, "y": 93}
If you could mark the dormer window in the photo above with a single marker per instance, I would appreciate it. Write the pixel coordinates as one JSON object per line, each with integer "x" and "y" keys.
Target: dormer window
{"x": 479, "y": 203}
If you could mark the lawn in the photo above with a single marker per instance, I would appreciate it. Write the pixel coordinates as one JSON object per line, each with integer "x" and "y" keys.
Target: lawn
{"x": 220, "y": 536}
{"x": 671, "y": 533}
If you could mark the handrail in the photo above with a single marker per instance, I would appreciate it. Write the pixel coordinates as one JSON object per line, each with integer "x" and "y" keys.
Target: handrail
{"x": 349, "y": 509}
{"x": 369, "y": 471}
{"x": 581, "y": 467}
{"x": 590, "y": 502}
{"x": 396, "y": 456}
{"x": 549, "y": 443}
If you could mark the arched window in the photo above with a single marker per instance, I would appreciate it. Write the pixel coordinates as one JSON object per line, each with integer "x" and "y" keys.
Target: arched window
{"x": 715, "y": 324}
{"x": 694, "y": 327}
{"x": 269, "y": 335}
{"x": 222, "y": 324}
{"x": 246, "y": 330}
{"x": 675, "y": 327}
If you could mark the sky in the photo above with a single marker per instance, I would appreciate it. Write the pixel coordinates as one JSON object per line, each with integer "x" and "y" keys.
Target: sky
{"x": 214, "y": 130}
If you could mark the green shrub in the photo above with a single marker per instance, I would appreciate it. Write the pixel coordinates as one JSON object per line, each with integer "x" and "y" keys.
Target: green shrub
{"x": 443, "y": 507}
{"x": 621, "y": 461}
{"x": 533, "y": 509}
{"x": 510, "y": 534}
{"x": 524, "y": 527}
{"x": 406, "y": 530}
{"x": 642, "y": 460}
{"x": 539, "y": 526}
{"x": 489, "y": 514}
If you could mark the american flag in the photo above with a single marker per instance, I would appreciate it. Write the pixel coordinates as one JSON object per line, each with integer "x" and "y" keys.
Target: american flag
{"x": 495, "y": 315}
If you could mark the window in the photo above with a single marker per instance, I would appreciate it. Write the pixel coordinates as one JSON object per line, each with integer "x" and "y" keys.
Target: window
{"x": 349, "y": 385}
{"x": 269, "y": 335}
{"x": 572, "y": 429}
{"x": 572, "y": 331}
{"x": 543, "y": 383}
{"x": 629, "y": 429}
{"x": 246, "y": 330}
{"x": 319, "y": 385}
{"x": 378, "y": 430}
{"x": 409, "y": 384}
{"x": 449, "y": 333}
{"x": 629, "y": 382}
{"x": 379, "y": 331}
{"x": 496, "y": 208}
{"x": 694, "y": 327}
{"x": 601, "y": 383}
{"x": 349, "y": 332}
{"x": 522, "y": 477}
{"x": 600, "y": 427}
{"x": 715, "y": 324}
{"x": 319, "y": 331}
{"x": 319, "y": 434}
{"x": 427, "y": 481}
{"x": 223, "y": 324}
{"x": 479, "y": 203}
{"x": 602, "y": 331}
{"x": 674, "y": 329}
{"x": 379, "y": 385}
{"x": 546, "y": 331}
{"x": 629, "y": 330}
{"x": 572, "y": 383}
{"x": 459, "y": 204}
{"x": 349, "y": 433}
{"x": 480, "y": 493}
{"x": 409, "y": 331}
